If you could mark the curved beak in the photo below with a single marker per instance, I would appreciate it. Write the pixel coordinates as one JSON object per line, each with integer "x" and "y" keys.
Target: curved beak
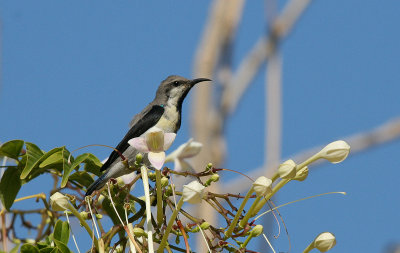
{"x": 198, "y": 80}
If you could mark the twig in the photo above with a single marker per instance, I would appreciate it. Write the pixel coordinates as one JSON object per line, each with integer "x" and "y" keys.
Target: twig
{"x": 358, "y": 142}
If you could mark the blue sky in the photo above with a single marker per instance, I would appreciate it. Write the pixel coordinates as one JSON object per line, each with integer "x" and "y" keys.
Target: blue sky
{"x": 74, "y": 73}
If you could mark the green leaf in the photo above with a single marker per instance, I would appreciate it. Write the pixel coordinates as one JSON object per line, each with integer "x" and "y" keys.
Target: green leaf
{"x": 12, "y": 149}
{"x": 9, "y": 186}
{"x": 68, "y": 169}
{"x": 82, "y": 177}
{"x": 43, "y": 244}
{"x": 29, "y": 248}
{"x": 48, "y": 250}
{"x": 61, "y": 231}
{"x": 109, "y": 209}
{"x": 93, "y": 165}
{"x": 38, "y": 170}
{"x": 33, "y": 154}
{"x": 55, "y": 157}
{"x": 62, "y": 247}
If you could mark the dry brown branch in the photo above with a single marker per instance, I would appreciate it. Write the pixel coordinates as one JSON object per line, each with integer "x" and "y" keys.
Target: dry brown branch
{"x": 359, "y": 142}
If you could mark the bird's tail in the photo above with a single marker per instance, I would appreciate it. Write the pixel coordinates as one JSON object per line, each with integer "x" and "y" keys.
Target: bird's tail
{"x": 98, "y": 184}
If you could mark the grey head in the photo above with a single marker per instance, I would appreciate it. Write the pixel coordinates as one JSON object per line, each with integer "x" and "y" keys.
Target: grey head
{"x": 173, "y": 90}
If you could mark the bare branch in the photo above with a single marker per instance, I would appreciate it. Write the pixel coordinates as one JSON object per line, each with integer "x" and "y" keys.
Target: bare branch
{"x": 359, "y": 142}
{"x": 260, "y": 53}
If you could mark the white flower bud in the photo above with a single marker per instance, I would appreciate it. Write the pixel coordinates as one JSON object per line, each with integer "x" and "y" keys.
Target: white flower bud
{"x": 335, "y": 152}
{"x": 302, "y": 174}
{"x": 193, "y": 192}
{"x": 257, "y": 230}
{"x": 262, "y": 186}
{"x": 59, "y": 202}
{"x": 325, "y": 241}
{"x": 287, "y": 170}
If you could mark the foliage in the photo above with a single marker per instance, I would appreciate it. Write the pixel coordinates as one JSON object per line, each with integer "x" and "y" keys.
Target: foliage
{"x": 115, "y": 201}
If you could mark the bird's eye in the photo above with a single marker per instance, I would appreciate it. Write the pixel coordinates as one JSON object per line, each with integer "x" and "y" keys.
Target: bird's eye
{"x": 176, "y": 83}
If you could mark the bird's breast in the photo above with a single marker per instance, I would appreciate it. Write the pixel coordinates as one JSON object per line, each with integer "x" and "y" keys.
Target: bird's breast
{"x": 170, "y": 121}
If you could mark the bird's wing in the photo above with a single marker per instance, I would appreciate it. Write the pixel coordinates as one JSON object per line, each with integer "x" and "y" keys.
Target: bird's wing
{"x": 138, "y": 128}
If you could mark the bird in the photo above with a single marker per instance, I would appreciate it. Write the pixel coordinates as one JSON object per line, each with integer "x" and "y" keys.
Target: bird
{"x": 164, "y": 113}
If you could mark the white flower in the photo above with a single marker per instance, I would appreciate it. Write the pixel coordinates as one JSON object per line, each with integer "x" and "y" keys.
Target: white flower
{"x": 335, "y": 152}
{"x": 59, "y": 202}
{"x": 186, "y": 150}
{"x": 287, "y": 170}
{"x": 262, "y": 186}
{"x": 325, "y": 241}
{"x": 154, "y": 142}
{"x": 193, "y": 192}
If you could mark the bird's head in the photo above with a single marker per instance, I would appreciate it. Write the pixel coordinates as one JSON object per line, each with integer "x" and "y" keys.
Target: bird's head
{"x": 174, "y": 89}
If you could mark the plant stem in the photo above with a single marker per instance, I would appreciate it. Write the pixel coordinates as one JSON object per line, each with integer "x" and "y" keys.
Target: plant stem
{"x": 309, "y": 248}
{"x": 149, "y": 226}
{"x": 231, "y": 227}
{"x": 169, "y": 226}
{"x": 84, "y": 224}
{"x": 264, "y": 200}
{"x": 160, "y": 214}
{"x": 243, "y": 222}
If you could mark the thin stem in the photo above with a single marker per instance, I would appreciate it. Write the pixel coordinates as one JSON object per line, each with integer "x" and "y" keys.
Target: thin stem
{"x": 264, "y": 200}
{"x": 149, "y": 226}
{"x": 169, "y": 226}
{"x": 73, "y": 236}
{"x": 243, "y": 222}
{"x": 91, "y": 214}
{"x": 297, "y": 200}
{"x": 269, "y": 244}
{"x": 204, "y": 237}
{"x": 160, "y": 214}
{"x": 309, "y": 247}
{"x": 112, "y": 203}
{"x": 83, "y": 222}
{"x": 231, "y": 227}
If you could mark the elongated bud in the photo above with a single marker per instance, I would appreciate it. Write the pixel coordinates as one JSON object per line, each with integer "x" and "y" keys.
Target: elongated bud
{"x": 335, "y": 152}
{"x": 262, "y": 186}
{"x": 302, "y": 174}
{"x": 193, "y": 192}
{"x": 325, "y": 241}
{"x": 287, "y": 170}
{"x": 59, "y": 202}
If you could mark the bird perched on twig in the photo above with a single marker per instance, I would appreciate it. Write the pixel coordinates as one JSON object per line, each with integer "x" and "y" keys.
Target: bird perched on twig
{"x": 164, "y": 112}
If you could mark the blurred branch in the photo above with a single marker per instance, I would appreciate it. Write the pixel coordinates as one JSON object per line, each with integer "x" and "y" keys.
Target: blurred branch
{"x": 213, "y": 57}
{"x": 217, "y": 36}
{"x": 359, "y": 142}
{"x": 260, "y": 53}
